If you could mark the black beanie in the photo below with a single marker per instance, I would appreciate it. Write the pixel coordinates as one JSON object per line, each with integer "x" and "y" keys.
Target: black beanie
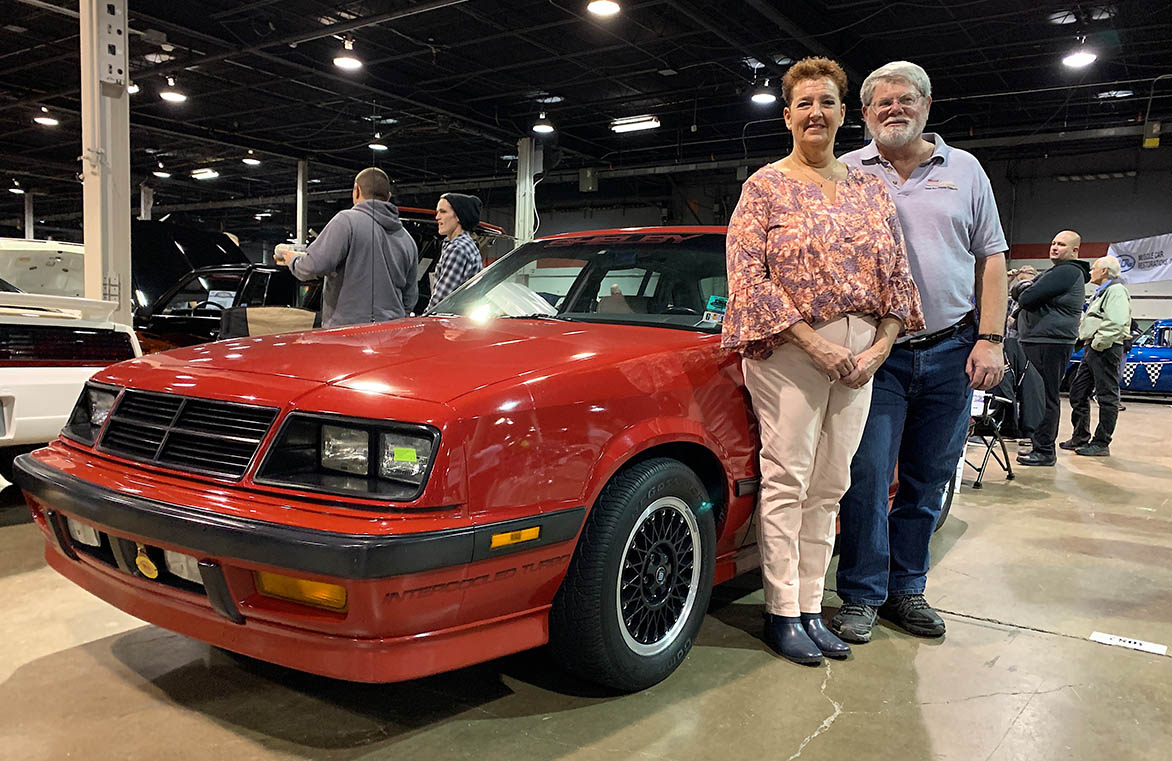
{"x": 467, "y": 209}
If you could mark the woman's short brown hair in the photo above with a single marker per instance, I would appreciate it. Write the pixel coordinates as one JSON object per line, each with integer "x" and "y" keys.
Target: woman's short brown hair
{"x": 814, "y": 68}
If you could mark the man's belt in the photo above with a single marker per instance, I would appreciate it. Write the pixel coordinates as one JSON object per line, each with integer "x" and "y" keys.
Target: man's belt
{"x": 925, "y": 340}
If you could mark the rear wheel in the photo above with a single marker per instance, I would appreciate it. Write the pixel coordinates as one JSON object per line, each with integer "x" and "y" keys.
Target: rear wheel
{"x": 640, "y": 579}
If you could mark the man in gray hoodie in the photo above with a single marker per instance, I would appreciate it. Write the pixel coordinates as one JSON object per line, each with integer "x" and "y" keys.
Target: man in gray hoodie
{"x": 1048, "y": 328}
{"x": 368, "y": 260}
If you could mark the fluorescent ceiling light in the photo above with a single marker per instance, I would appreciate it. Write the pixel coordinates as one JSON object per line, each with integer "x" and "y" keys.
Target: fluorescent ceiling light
{"x": 1079, "y": 58}
{"x": 158, "y": 57}
{"x": 549, "y": 99}
{"x": 346, "y": 58}
{"x": 603, "y": 7}
{"x": 509, "y": 157}
{"x": 161, "y": 174}
{"x": 46, "y": 120}
{"x": 1116, "y": 94}
{"x": 18, "y": 191}
{"x": 543, "y": 126}
{"x": 377, "y": 146}
{"x": 205, "y": 174}
{"x": 132, "y": 88}
{"x": 251, "y": 161}
{"x": 635, "y": 123}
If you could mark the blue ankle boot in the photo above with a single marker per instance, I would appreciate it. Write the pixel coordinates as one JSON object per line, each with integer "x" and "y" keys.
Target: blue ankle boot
{"x": 830, "y": 645}
{"x": 788, "y": 638}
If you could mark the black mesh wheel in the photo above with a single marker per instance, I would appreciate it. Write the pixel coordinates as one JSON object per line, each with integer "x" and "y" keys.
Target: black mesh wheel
{"x": 640, "y": 579}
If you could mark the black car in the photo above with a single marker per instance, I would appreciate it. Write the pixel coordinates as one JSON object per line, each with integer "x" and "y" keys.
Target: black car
{"x": 190, "y": 311}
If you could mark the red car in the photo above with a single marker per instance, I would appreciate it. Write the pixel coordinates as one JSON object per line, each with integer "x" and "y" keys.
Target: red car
{"x": 561, "y": 453}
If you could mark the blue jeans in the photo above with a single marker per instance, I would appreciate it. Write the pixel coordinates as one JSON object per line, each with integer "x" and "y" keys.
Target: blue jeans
{"x": 919, "y": 418}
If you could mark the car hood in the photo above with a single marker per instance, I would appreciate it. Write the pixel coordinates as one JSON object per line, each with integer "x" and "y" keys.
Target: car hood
{"x": 433, "y": 358}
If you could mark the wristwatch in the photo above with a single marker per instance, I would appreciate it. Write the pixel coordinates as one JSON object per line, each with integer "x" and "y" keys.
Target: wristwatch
{"x": 995, "y": 338}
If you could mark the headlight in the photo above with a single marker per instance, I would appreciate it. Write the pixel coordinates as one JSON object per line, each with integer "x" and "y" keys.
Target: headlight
{"x": 345, "y": 449}
{"x": 368, "y": 458}
{"x": 90, "y": 413}
{"x": 404, "y": 457}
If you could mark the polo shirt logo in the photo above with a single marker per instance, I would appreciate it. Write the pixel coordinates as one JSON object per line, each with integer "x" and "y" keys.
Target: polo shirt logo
{"x": 940, "y": 185}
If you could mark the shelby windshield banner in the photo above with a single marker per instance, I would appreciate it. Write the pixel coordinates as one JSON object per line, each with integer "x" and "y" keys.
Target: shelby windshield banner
{"x": 1144, "y": 260}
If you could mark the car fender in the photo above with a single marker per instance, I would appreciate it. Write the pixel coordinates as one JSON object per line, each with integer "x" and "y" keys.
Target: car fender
{"x": 631, "y": 442}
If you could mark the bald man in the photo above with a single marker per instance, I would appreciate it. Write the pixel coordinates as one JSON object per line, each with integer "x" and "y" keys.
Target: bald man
{"x": 1051, "y": 306}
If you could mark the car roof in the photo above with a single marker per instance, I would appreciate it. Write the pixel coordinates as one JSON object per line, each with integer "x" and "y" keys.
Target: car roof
{"x": 654, "y": 230}
{"x": 430, "y": 213}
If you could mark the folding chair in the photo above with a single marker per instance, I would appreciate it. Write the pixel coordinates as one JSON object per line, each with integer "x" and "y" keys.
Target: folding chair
{"x": 989, "y": 413}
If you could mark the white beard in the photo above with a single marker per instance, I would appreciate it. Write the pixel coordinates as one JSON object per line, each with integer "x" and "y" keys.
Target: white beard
{"x": 900, "y": 136}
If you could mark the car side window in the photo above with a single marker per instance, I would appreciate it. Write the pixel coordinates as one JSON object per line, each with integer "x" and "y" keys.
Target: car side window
{"x": 253, "y": 292}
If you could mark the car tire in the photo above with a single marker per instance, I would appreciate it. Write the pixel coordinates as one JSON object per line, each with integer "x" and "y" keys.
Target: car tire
{"x": 640, "y": 579}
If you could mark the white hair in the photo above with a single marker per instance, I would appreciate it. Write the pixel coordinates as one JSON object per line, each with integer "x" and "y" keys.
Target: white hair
{"x": 1110, "y": 264}
{"x": 904, "y": 70}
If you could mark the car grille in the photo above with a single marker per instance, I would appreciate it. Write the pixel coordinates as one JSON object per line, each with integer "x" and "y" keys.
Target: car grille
{"x": 197, "y": 435}
{"x": 51, "y": 345}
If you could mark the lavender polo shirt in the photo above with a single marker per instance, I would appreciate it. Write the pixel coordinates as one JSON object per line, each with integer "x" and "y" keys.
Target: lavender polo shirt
{"x": 949, "y": 219}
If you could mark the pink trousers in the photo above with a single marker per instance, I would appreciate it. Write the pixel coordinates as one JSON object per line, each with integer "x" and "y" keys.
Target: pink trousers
{"x": 810, "y": 429}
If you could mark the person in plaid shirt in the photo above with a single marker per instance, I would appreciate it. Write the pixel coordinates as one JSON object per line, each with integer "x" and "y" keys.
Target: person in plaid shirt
{"x": 460, "y": 259}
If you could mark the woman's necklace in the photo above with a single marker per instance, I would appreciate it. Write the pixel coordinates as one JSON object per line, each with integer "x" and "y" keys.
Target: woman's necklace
{"x": 822, "y": 177}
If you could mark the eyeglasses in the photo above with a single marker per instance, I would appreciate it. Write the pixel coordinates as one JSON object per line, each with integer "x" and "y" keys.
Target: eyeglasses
{"x": 908, "y": 100}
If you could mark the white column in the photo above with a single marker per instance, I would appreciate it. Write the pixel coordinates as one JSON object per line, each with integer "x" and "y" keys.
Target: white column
{"x": 146, "y": 200}
{"x": 302, "y": 200}
{"x": 29, "y": 228}
{"x": 105, "y": 153}
{"x": 529, "y": 164}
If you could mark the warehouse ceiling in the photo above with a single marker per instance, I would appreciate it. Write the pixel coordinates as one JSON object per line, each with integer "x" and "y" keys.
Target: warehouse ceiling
{"x": 450, "y": 86}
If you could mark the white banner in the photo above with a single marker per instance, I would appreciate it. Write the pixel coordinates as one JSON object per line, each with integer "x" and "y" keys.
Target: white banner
{"x": 1144, "y": 260}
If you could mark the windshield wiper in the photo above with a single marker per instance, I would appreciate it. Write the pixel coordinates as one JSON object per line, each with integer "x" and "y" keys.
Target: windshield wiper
{"x": 539, "y": 316}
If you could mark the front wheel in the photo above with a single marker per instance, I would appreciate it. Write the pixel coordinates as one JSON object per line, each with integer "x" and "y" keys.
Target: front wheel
{"x": 640, "y": 580}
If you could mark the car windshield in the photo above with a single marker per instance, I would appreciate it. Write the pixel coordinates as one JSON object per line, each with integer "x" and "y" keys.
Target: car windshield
{"x": 668, "y": 279}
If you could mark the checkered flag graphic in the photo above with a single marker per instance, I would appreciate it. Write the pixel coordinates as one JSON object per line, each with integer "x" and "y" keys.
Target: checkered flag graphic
{"x": 1128, "y": 373}
{"x": 1153, "y": 370}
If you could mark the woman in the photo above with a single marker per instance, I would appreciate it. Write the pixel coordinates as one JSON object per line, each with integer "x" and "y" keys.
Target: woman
{"x": 819, "y": 290}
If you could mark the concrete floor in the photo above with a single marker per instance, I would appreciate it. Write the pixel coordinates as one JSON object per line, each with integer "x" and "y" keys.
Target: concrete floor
{"x": 1024, "y": 572}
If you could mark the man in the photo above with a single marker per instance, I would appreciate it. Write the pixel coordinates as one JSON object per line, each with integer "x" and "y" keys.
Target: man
{"x": 369, "y": 261}
{"x": 922, "y": 393}
{"x": 456, "y": 214}
{"x": 1104, "y": 327}
{"x": 1047, "y": 327}
{"x": 1019, "y": 275}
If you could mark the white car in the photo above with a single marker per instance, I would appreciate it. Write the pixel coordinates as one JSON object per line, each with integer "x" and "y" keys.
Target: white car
{"x": 49, "y": 347}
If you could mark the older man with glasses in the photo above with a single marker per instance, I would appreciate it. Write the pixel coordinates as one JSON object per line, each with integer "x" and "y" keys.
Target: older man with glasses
{"x": 922, "y": 393}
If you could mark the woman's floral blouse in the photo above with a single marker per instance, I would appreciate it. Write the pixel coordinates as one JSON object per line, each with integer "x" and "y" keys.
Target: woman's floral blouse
{"x": 793, "y": 255}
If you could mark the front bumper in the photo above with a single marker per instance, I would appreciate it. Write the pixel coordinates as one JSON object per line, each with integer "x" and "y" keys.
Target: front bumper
{"x": 420, "y": 602}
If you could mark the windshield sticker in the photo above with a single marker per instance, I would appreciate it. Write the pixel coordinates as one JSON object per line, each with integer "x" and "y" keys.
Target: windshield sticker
{"x": 221, "y": 298}
{"x": 717, "y": 304}
{"x": 713, "y": 318}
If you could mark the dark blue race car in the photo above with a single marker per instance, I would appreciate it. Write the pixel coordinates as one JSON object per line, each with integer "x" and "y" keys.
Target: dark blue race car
{"x": 1148, "y": 369}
